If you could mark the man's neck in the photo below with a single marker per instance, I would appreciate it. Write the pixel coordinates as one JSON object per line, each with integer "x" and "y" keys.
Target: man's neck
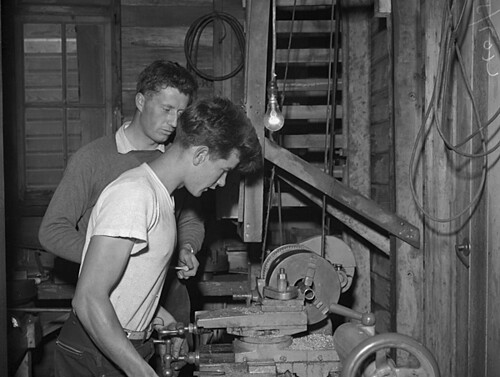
{"x": 138, "y": 139}
{"x": 169, "y": 168}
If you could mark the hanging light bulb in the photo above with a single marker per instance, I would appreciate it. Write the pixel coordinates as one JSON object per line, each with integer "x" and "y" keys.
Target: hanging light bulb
{"x": 273, "y": 119}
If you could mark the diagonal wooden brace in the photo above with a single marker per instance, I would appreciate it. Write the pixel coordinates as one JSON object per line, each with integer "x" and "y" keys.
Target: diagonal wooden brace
{"x": 342, "y": 194}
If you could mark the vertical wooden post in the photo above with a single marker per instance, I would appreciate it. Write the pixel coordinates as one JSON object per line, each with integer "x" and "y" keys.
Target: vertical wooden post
{"x": 438, "y": 182}
{"x": 356, "y": 49}
{"x": 408, "y": 261}
{"x": 471, "y": 280}
{"x": 491, "y": 61}
{"x": 256, "y": 68}
{"x": 3, "y": 279}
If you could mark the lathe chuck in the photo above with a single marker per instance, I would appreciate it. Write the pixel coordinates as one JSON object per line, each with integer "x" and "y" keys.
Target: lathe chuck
{"x": 315, "y": 276}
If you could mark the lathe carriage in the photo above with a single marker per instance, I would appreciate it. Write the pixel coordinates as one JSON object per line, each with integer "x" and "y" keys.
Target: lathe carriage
{"x": 284, "y": 327}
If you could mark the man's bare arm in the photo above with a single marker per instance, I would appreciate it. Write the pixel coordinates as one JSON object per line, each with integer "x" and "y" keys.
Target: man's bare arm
{"x": 104, "y": 264}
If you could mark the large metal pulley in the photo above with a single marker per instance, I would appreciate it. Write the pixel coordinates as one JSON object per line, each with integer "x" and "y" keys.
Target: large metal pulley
{"x": 314, "y": 276}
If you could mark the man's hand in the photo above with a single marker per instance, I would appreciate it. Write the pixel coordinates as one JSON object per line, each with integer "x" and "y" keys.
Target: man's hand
{"x": 179, "y": 346}
{"x": 187, "y": 261}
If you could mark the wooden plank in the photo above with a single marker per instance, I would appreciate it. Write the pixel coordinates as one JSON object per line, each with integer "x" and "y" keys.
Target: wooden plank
{"x": 380, "y": 77}
{"x": 464, "y": 124}
{"x": 381, "y": 265}
{"x": 472, "y": 344}
{"x": 299, "y": 3}
{"x": 227, "y": 55}
{"x": 255, "y": 76}
{"x": 383, "y": 319}
{"x": 310, "y": 141}
{"x": 380, "y": 143}
{"x": 309, "y": 112}
{"x": 379, "y": 47}
{"x": 379, "y": 170}
{"x": 305, "y": 26}
{"x": 356, "y": 73}
{"x": 53, "y": 13}
{"x": 162, "y": 36}
{"x": 311, "y": 55}
{"x": 167, "y": 4}
{"x": 381, "y": 290}
{"x": 341, "y": 193}
{"x": 4, "y": 370}
{"x": 369, "y": 234}
{"x": 490, "y": 303}
{"x": 382, "y": 195}
{"x": 163, "y": 15}
{"x": 409, "y": 318}
{"x": 380, "y": 106}
{"x": 316, "y": 84}
{"x": 101, "y": 3}
{"x": 143, "y": 56}
{"x": 438, "y": 193}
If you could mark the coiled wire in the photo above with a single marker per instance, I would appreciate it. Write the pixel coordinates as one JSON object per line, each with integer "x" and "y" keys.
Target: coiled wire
{"x": 193, "y": 38}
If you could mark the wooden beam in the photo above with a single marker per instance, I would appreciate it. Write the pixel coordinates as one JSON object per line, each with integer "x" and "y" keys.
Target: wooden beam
{"x": 3, "y": 269}
{"x": 408, "y": 264}
{"x": 305, "y": 26}
{"x": 472, "y": 301}
{"x": 342, "y": 194}
{"x": 356, "y": 42}
{"x": 375, "y": 238}
{"x": 256, "y": 63}
{"x": 309, "y": 112}
{"x": 486, "y": 255}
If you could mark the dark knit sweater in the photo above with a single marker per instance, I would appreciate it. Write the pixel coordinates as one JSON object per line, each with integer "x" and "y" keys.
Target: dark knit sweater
{"x": 89, "y": 171}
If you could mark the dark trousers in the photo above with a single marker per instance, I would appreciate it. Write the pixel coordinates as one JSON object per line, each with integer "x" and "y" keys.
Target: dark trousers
{"x": 76, "y": 355}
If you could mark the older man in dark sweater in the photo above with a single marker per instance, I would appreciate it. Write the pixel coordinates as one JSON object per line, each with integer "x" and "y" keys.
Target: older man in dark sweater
{"x": 164, "y": 90}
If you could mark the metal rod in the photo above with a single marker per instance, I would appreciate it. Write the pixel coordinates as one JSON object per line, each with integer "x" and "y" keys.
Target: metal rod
{"x": 37, "y": 310}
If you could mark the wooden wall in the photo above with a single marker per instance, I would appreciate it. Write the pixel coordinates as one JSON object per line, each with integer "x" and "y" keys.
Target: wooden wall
{"x": 156, "y": 30}
{"x": 446, "y": 298}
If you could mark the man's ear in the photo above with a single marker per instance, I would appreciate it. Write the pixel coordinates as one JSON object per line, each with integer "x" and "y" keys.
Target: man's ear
{"x": 139, "y": 101}
{"x": 200, "y": 155}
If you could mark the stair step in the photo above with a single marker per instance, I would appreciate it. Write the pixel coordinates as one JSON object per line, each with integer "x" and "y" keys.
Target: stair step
{"x": 315, "y": 84}
{"x": 305, "y": 26}
{"x": 301, "y": 3}
{"x": 309, "y": 112}
{"x": 310, "y": 141}
{"x": 310, "y": 55}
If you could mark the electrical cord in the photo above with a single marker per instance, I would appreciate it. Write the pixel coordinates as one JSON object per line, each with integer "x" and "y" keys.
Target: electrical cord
{"x": 331, "y": 103}
{"x": 192, "y": 39}
{"x": 448, "y": 48}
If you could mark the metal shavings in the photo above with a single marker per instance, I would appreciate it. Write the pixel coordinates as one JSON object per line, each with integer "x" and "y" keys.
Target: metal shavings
{"x": 312, "y": 342}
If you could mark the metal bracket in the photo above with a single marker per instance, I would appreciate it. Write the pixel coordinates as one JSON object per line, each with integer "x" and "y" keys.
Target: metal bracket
{"x": 463, "y": 251}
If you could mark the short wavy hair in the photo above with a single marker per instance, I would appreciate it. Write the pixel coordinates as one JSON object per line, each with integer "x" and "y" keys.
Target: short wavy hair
{"x": 223, "y": 127}
{"x": 162, "y": 74}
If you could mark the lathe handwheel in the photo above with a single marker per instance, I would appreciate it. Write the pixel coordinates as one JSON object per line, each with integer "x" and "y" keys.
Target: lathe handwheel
{"x": 428, "y": 364}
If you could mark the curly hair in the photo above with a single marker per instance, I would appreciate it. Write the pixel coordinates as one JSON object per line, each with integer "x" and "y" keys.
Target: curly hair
{"x": 223, "y": 127}
{"x": 162, "y": 74}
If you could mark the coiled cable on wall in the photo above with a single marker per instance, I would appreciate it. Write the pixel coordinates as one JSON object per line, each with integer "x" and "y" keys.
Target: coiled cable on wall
{"x": 192, "y": 40}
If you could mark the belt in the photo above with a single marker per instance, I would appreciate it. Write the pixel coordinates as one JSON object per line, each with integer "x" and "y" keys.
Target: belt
{"x": 139, "y": 335}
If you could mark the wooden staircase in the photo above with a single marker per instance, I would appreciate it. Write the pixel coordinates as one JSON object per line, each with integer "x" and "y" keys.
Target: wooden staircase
{"x": 305, "y": 41}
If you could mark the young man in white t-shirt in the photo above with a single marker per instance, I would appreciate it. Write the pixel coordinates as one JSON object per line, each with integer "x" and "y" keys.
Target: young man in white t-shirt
{"x": 131, "y": 237}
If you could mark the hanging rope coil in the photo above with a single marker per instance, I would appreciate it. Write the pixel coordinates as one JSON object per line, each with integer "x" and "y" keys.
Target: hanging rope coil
{"x": 193, "y": 36}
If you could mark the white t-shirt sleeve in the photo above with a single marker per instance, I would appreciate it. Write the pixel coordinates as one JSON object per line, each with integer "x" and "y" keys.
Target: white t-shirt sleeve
{"x": 125, "y": 210}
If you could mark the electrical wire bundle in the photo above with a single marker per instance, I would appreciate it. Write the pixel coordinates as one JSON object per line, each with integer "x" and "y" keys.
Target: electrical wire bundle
{"x": 451, "y": 35}
{"x": 194, "y": 33}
